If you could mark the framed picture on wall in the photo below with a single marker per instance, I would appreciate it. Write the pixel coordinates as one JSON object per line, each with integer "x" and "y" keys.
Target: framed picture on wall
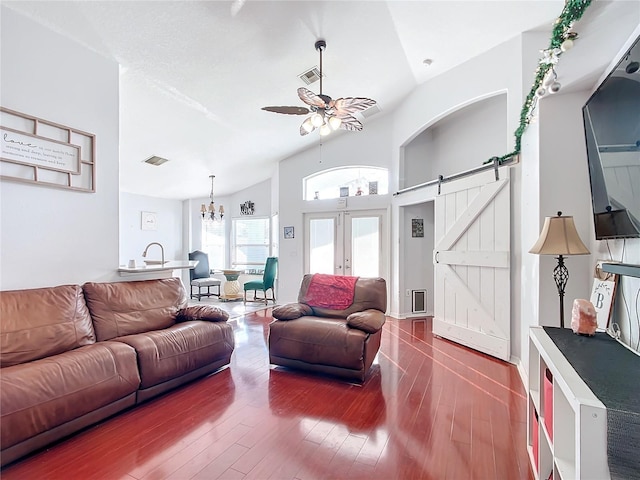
{"x": 149, "y": 221}
{"x": 288, "y": 232}
{"x": 417, "y": 228}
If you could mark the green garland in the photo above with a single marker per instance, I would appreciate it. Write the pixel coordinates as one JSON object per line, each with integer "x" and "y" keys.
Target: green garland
{"x": 572, "y": 11}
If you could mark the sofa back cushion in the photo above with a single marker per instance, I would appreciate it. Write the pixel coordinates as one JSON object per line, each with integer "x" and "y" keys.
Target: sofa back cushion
{"x": 41, "y": 322}
{"x": 369, "y": 293}
{"x": 127, "y": 308}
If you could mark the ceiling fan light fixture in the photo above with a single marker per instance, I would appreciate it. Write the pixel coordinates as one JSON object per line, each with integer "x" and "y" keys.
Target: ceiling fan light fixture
{"x": 325, "y": 130}
{"x": 307, "y": 125}
{"x": 335, "y": 122}
{"x": 327, "y": 114}
{"x": 317, "y": 120}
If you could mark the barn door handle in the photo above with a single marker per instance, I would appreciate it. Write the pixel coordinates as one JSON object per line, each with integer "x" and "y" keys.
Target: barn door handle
{"x": 435, "y": 256}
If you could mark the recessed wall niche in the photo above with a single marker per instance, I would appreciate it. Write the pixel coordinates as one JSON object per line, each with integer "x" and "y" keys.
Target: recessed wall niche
{"x": 464, "y": 139}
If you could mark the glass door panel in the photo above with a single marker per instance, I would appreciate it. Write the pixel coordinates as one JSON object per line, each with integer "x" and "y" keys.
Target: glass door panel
{"x": 346, "y": 243}
{"x": 364, "y": 240}
{"x": 322, "y": 245}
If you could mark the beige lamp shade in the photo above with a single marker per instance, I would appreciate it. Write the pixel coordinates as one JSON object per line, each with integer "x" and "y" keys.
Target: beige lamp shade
{"x": 559, "y": 237}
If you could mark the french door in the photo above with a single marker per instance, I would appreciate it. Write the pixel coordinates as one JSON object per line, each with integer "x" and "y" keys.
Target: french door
{"x": 346, "y": 243}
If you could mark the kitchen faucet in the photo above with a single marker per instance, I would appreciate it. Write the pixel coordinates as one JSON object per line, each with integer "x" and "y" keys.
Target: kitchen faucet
{"x": 144, "y": 254}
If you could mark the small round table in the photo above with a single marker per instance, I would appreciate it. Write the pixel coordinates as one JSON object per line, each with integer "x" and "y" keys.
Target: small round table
{"x": 232, "y": 288}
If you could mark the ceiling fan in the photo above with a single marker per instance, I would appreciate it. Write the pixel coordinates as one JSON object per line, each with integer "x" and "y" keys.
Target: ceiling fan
{"x": 326, "y": 114}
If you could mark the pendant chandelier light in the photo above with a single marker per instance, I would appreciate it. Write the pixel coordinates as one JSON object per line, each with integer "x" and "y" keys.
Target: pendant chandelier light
{"x": 209, "y": 213}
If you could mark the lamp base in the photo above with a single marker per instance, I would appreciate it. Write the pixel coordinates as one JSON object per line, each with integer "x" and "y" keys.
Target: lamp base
{"x": 561, "y": 276}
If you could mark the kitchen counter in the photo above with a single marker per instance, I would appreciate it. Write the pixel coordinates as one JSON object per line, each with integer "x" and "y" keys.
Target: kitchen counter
{"x": 165, "y": 268}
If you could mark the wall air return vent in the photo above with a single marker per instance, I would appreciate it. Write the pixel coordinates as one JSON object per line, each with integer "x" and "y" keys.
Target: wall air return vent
{"x": 310, "y": 76}
{"x": 155, "y": 161}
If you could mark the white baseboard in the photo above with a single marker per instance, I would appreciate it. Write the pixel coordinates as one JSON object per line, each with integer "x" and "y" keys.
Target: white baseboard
{"x": 523, "y": 374}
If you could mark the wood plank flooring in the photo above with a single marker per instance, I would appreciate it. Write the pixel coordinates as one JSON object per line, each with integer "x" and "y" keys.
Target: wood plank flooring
{"x": 430, "y": 409}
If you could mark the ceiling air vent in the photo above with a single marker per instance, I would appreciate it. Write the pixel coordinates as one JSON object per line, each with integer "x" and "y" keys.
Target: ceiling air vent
{"x": 371, "y": 111}
{"x": 310, "y": 76}
{"x": 155, "y": 161}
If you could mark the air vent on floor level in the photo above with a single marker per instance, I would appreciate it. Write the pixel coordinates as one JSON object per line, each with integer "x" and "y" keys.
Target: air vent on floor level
{"x": 371, "y": 111}
{"x": 155, "y": 161}
{"x": 418, "y": 301}
{"x": 310, "y": 76}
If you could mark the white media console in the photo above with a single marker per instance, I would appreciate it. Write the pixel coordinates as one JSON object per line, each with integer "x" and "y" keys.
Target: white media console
{"x": 574, "y": 444}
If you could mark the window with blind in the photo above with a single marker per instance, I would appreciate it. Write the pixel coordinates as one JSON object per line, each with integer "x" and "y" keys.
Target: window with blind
{"x": 250, "y": 247}
{"x": 214, "y": 243}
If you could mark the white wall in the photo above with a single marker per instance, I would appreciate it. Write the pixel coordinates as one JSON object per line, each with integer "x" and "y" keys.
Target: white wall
{"x": 415, "y": 165}
{"x": 133, "y": 239}
{"x": 52, "y": 236}
{"x": 564, "y": 186}
{"x": 467, "y": 137}
{"x": 555, "y": 178}
{"x": 259, "y": 194}
{"x": 368, "y": 147}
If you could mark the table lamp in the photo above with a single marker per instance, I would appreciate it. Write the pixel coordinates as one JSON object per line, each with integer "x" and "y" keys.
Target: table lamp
{"x": 559, "y": 237}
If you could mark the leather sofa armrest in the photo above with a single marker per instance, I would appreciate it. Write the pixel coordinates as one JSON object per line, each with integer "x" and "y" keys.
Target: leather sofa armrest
{"x": 369, "y": 321}
{"x": 291, "y": 311}
{"x": 202, "y": 312}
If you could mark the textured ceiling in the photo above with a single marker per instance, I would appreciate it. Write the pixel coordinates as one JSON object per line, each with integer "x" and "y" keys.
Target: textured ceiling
{"x": 194, "y": 75}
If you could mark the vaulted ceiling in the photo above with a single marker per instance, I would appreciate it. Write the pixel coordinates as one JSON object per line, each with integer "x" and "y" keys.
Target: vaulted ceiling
{"x": 194, "y": 75}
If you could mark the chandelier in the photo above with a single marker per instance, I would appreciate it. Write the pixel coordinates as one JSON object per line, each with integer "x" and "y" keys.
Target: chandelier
{"x": 209, "y": 213}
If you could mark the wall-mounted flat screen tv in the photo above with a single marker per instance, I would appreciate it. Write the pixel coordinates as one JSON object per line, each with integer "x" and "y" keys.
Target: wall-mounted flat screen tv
{"x": 612, "y": 132}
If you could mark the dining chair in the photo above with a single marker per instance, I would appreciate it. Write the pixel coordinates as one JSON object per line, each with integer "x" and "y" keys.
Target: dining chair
{"x": 267, "y": 282}
{"x": 200, "y": 276}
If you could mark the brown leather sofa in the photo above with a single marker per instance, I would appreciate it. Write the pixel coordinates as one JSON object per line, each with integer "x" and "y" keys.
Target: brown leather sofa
{"x": 71, "y": 356}
{"x": 340, "y": 342}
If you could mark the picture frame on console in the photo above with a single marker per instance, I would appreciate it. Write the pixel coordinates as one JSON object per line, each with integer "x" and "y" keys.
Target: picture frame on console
{"x": 603, "y": 293}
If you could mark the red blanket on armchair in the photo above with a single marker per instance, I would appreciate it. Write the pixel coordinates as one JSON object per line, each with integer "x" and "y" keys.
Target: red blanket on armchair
{"x": 331, "y": 291}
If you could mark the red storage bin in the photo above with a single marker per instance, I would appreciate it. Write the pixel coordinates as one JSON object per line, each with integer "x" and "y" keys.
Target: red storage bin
{"x": 548, "y": 402}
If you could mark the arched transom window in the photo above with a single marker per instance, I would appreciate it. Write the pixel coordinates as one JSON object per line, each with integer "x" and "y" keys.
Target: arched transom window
{"x": 346, "y": 181}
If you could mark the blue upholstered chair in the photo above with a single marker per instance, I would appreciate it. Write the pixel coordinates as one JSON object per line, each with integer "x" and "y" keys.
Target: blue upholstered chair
{"x": 200, "y": 276}
{"x": 267, "y": 282}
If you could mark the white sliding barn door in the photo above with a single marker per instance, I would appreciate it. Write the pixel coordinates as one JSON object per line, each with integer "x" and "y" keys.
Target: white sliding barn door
{"x": 471, "y": 262}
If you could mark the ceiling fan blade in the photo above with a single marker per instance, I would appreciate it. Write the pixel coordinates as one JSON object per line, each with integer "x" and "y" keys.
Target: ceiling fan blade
{"x": 352, "y": 104}
{"x": 350, "y": 123}
{"x": 310, "y": 98}
{"x": 288, "y": 110}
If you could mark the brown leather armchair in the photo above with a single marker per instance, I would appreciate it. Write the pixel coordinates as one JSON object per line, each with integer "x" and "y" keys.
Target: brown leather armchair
{"x": 341, "y": 339}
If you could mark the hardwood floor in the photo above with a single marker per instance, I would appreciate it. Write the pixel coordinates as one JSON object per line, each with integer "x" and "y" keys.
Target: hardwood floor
{"x": 430, "y": 409}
